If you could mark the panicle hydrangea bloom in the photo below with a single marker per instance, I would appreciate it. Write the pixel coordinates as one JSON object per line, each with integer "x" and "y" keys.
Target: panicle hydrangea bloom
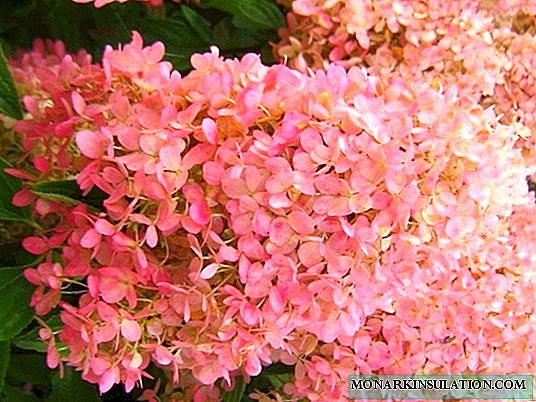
{"x": 411, "y": 39}
{"x": 337, "y": 222}
{"x": 516, "y": 98}
{"x": 485, "y": 48}
{"x": 509, "y": 10}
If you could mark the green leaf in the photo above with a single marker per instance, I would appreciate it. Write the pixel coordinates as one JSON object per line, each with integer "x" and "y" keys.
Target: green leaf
{"x": 9, "y": 185}
{"x": 13, "y": 255}
{"x": 72, "y": 388}
{"x": 263, "y": 14}
{"x": 278, "y": 380}
{"x": 68, "y": 192}
{"x": 9, "y": 98}
{"x": 31, "y": 341}
{"x": 14, "y": 394}
{"x": 237, "y": 393}
{"x": 4, "y": 361}
{"x": 15, "y": 294}
{"x": 278, "y": 368}
{"x": 29, "y": 368}
{"x": 199, "y": 24}
{"x": 34, "y": 344}
{"x": 228, "y": 37}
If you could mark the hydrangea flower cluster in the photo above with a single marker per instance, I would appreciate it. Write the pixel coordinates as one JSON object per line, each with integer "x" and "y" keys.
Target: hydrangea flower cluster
{"x": 336, "y": 221}
{"x": 515, "y": 98}
{"x": 485, "y": 48}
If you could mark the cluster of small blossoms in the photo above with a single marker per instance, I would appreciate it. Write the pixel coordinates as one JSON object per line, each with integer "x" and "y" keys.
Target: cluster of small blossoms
{"x": 408, "y": 39}
{"x": 507, "y": 10}
{"x": 335, "y": 222}
{"x": 485, "y": 48}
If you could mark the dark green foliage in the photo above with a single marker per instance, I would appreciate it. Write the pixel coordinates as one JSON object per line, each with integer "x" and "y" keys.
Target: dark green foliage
{"x": 9, "y": 98}
{"x": 68, "y": 192}
{"x": 237, "y": 393}
{"x": 236, "y": 26}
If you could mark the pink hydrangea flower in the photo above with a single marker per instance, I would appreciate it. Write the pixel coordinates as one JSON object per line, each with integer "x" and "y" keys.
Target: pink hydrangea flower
{"x": 337, "y": 221}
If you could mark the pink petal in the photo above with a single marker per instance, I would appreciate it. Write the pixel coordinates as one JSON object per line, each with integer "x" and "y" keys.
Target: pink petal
{"x": 154, "y": 53}
{"x": 228, "y": 253}
{"x": 197, "y": 155}
{"x": 210, "y": 130}
{"x": 151, "y": 236}
{"x": 141, "y": 257}
{"x": 276, "y": 300}
{"x": 249, "y": 313}
{"x": 108, "y": 379}
{"x": 170, "y": 155}
{"x": 53, "y": 356}
{"x": 190, "y": 226}
{"x": 347, "y": 323}
{"x": 329, "y": 185}
{"x": 90, "y": 239}
{"x": 279, "y": 201}
{"x": 253, "y": 365}
{"x": 338, "y": 206}
{"x": 301, "y": 223}
{"x": 309, "y": 254}
{"x": 170, "y": 223}
{"x": 89, "y": 143}
{"x": 107, "y": 312}
{"x": 279, "y": 183}
{"x": 99, "y": 365}
{"x": 104, "y": 227}
{"x": 21, "y": 174}
{"x": 261, "y": 222}
{"x": 427, "y": 117}
{"x": 212, "y": 173}
{"x": 208, "y": 373}
{"x": 395, "y": 181}
{"x": 253, "y": 178}
{"x": 151, "y": 143}
{"x": 199, "y": 211}
{"x": 280, "y": 231}
{"x": 209, "y": 271}
{"x": 42, "y": 164}
{"x": 131, "y": 330}
{"x": 32, "y": 276}
{"x": 79, "y": 103}
{"x": 359, "y": 203}
{"x": 163, "y": 356}
{"x": 105, "y": 333}
{"x": 479, "y": 192}
{"x": 234, "y": 188}
{"x": 23, "y": 198}
{"x": 111, "y": 290}
{"x": 460, "y": 225}
{"x": 310, "y": 139}
{"x": 193, "y": 193}
{"x": 128, "y": 137}
{"x": 251, "y": 247}
{"x": 321, "y": 204}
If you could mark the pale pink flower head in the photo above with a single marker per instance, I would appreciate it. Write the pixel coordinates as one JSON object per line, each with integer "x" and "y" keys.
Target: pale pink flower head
{"x": 336, "y": 221}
